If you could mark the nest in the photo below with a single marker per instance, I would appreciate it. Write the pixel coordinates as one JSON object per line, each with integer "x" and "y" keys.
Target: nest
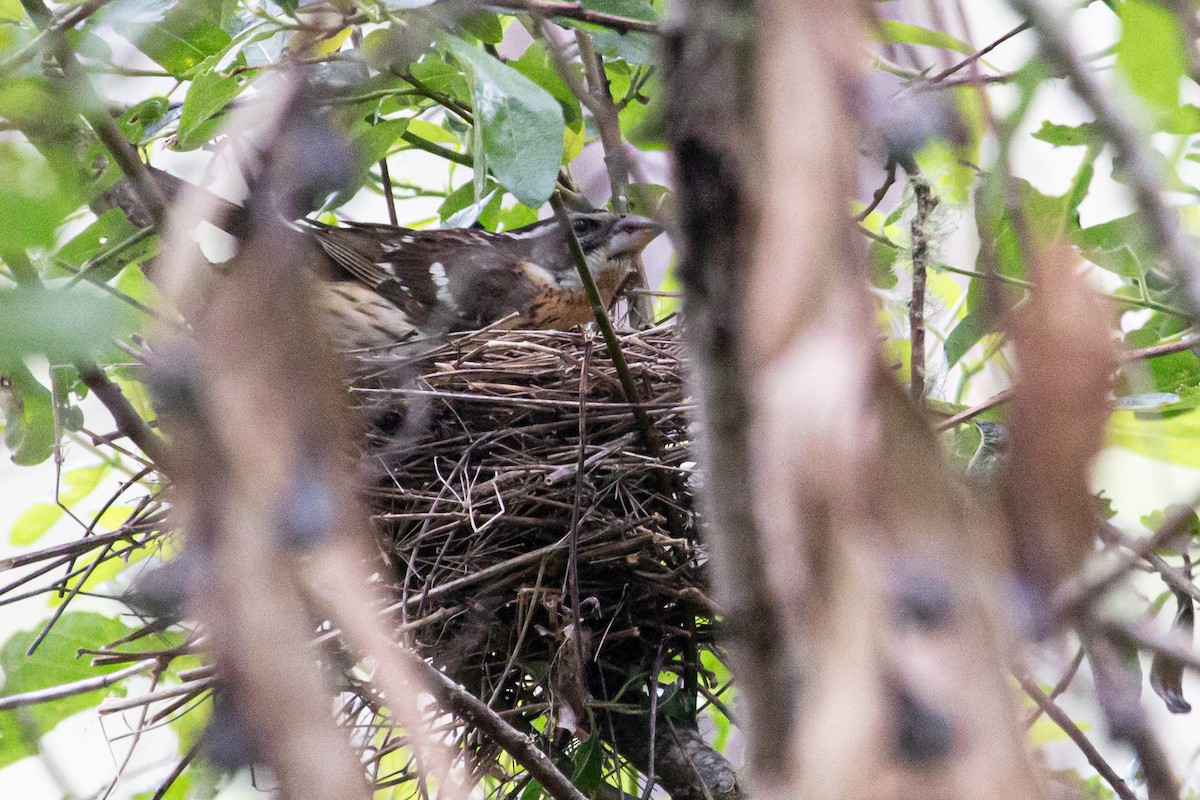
{"x": 528, "y": 521}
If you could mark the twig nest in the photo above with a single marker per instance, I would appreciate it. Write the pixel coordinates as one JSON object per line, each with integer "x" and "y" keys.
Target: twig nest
{"x": 486, "y": 515}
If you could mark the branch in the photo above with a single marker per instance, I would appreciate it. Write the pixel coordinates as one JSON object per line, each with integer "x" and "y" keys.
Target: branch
{"x": 71, "y": 689}
{"x": 707, "y": 109}
{"x": 616, "y": 159}
{"x": 628, "y": 387}
{"x": 1068, "y": 726}
{"x": 120, "y": 148}
{"x": 129, "y": 422}
{"x": 578, "y": 12}
{"x": 926, "y": 203}
{"x": 71, "y": 18}
{"x": 978, "y": 54}
{"x": 686, "y": 766}
{"x": 880, "y": 193}
{"x": 521, "y": 747}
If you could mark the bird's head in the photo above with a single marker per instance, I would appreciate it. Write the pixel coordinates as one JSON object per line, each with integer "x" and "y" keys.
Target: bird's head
{"x": 610, "y": 243}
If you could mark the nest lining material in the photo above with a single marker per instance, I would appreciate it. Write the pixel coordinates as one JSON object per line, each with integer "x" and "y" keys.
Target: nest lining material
{"x": 477, "y": 444}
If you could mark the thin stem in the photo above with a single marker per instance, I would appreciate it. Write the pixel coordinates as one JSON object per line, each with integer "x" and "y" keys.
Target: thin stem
{"x": 386, "y": 177}
{"x": 877, "y": 198}
{"x": 645, "y": 427}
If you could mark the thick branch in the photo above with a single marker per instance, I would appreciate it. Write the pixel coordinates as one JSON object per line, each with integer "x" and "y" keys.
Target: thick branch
{"x": 686, "y": 766}
{"x": 706, "y": 67}
{"x": 476, "y": 712}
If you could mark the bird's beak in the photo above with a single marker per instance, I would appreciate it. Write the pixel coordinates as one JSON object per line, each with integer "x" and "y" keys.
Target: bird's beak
{"x": 631, "y": 234}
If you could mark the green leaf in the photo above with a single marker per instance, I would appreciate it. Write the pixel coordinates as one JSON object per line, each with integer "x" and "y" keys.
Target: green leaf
{"x": 883, "y": 262}
{"x": 371, "y": 143}
{"x": 487, "y": 209}
{"x": 1068, "y": 135}
{"x": 179, "y": 40}
{"x": 134, "y": 122}
{"x": 1181, "y": 121}
{"x": 635, "y": 47}
{"x": 441, "y": 77}
{"x": 35, "y": 195}
{"x": 110, "y": 229}
{"x": 966, "y": 334}
{"x": 29, "y": 414}
{"x": 1151, "y": 52}
{"x": 588, "y": 766}
{"x": 1171, "y": 439}
{"x": 55, "y": 662}
{"x": 535, "y": 63}
{"x": 432, "y": 132}
{"x": 210, "y": 93}
{"x": 41, "y": 517}
{"x": 33, "y": 523}
{"x": 894, "y": 32}
{"x": 62, "y": 325}
{"x": 484, "y": 26}
{"x": 11, "y": 11}
{"x": 643, "y": 119}
{"x": 1119, "y": 246}
{"x": 522, "y": 125}
{"x": 517, "y": 216}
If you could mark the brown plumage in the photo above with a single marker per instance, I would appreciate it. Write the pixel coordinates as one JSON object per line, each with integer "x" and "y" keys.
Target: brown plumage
{"x": 392, "y": 285}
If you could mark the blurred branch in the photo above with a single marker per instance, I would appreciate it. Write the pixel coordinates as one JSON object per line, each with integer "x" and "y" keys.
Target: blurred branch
{"x": 129, "y": 422}
{"x": 1119, "y": 693}
{"x": 1075, "y": 596}
{"x": 974, "y": 57}
{"x": 1135, "y": 154}
{"x": 705, "y": 64}
{"x": 881, "y": 192}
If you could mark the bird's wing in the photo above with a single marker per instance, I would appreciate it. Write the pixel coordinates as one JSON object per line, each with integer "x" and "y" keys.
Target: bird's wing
{"x": 450, "y": 279}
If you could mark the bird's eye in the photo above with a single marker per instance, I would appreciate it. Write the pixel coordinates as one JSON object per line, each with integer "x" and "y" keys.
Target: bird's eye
{"x": 584, "y": 225}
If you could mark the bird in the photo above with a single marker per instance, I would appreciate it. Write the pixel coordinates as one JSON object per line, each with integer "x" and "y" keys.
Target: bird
{"x": 389, "y": 285}
{"x": 985, "y": 469}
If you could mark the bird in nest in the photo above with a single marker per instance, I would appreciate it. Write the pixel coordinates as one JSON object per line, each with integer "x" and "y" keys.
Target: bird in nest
{"x": 392, "y": 284}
